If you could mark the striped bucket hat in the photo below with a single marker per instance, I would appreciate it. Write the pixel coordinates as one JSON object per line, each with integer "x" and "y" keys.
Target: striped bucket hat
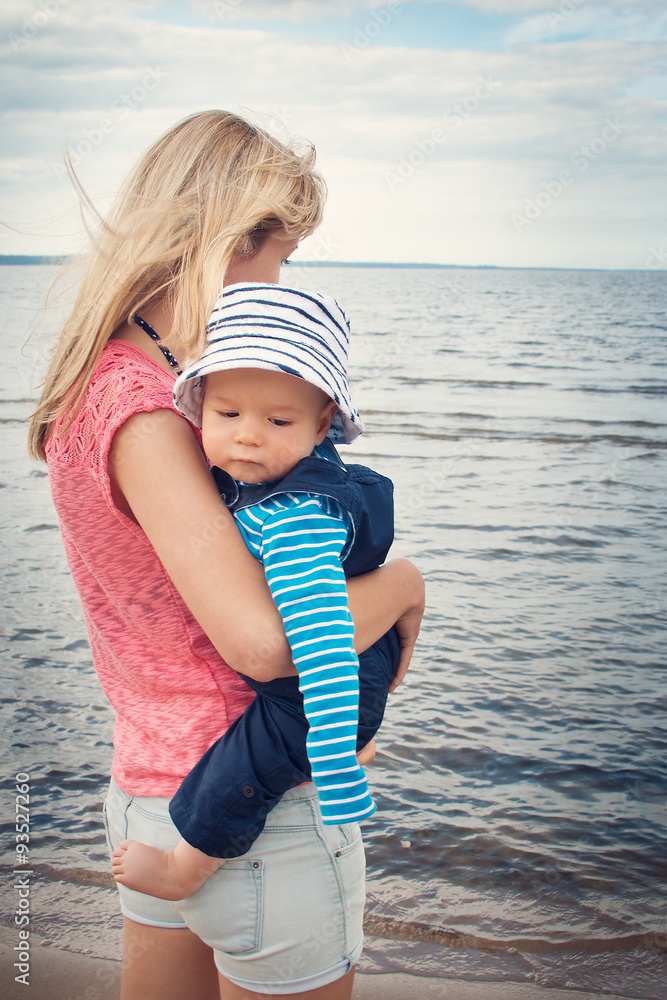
{"x": 282, "y": 329}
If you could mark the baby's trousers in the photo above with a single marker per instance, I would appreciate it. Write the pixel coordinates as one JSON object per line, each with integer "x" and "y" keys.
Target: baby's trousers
{"x": 222, "y": 804}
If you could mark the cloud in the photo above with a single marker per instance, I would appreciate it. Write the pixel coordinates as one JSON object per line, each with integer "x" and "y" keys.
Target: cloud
{"x": 521, "y": 7}
{"x": 472, "y": 152}
{"x": 290, "y": 11}
{"x": 586, "y": 19}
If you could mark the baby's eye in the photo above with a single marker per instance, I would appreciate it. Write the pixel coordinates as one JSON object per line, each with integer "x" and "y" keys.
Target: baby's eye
{"x": 227, "y": 413}
{"x": 280, "y": 423}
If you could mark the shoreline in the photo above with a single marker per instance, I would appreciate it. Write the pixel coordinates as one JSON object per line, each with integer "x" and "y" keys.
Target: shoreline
{"x": 56, "y": 974}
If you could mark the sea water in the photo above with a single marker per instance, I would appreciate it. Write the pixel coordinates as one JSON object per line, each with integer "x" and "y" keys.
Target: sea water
{"x": 521, "y": 777}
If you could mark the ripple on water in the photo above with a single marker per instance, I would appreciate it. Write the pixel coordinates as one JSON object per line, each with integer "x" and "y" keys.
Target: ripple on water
{"x": 521, "y": 779}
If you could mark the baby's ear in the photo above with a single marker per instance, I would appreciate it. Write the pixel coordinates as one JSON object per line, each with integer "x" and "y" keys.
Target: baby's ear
{"x": 324, "y": 423}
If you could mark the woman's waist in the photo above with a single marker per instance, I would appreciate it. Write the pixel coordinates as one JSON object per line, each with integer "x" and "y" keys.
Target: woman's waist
{"x": 153, "y": 757}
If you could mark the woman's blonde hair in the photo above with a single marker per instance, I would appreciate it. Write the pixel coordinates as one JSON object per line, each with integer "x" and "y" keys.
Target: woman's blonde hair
{"x": 213, "y": 185}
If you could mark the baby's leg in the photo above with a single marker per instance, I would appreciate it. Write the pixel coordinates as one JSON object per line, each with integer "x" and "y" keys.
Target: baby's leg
{"x": 222, "y": 804}
{"x": 171, "y": 874}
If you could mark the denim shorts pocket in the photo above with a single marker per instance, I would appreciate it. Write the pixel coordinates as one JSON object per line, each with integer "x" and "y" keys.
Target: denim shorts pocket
{"x": 346, "y": 849}
{"x": 342, "y": 839}
{"x": 231, "y": 920}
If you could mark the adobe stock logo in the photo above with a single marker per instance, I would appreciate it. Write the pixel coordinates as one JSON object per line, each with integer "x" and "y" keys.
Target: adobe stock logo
{"x": 553, "y": 188}
{"x": 33, "y": 25}
{"x": 453, "y": 118}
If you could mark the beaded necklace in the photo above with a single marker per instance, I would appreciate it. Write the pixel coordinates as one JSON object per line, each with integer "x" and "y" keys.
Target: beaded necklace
{"x": 136, "y": 318}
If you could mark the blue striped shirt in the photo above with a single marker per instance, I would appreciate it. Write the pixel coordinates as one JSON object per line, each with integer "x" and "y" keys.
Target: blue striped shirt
{"x": 300, "y": 538}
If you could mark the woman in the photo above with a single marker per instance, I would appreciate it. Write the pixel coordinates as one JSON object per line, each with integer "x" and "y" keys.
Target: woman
{"x": 170, "y": 592}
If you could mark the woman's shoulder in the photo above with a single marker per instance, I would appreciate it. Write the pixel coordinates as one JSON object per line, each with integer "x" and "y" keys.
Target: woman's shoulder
{"x": 125, "y": 382}
{"x": 127, "y": 366}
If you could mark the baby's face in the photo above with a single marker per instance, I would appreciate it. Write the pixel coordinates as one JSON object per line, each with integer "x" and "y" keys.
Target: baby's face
{"x": 257, "y": 424}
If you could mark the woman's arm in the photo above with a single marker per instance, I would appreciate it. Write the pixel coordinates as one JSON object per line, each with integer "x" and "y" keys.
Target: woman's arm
{"x": 160, "y": 479}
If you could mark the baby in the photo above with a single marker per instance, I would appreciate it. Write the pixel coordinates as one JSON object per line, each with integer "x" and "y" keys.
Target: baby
{"x": 271, "y": 394}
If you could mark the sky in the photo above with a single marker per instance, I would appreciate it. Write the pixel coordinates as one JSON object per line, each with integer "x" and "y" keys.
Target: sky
{"x": 515, "y": 133}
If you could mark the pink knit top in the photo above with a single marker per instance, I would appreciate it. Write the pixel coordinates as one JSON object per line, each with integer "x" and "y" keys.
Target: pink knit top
{"x": 172, "y": 692}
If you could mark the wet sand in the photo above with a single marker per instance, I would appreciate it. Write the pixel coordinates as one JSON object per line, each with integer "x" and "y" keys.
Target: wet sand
{"x": 64, "y": 975}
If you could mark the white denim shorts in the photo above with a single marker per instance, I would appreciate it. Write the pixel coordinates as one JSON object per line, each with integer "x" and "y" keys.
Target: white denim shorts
{"x": 284, "y": 918}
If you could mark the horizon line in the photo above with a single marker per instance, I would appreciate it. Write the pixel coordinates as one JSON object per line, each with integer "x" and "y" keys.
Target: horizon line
{"x": 53, "y": 259}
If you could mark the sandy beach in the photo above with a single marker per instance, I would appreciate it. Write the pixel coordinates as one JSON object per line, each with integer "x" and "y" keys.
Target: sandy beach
{"x": 64, "y": 975}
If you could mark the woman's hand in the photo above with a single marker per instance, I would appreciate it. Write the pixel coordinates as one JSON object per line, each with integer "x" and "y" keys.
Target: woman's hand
{"x": 407, "y": 627}
{"x": 390, "y": 595}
